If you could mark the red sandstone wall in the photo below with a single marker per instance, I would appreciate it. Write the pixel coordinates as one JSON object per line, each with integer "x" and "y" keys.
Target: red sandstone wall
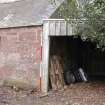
{"x": 20, "y": 55}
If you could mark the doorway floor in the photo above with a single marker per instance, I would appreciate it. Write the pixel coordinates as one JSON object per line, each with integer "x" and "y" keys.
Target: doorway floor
{"x": 76, "y": 94}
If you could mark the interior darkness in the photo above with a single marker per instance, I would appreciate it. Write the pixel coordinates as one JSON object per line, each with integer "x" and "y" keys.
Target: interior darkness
{"x": 79, "y": 54}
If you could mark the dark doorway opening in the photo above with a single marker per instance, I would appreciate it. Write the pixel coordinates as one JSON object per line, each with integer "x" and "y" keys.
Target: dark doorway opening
{"x": 81, "y": 61}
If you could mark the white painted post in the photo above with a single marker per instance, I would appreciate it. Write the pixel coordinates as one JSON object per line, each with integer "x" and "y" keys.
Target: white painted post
{"x": 45, "y": 57}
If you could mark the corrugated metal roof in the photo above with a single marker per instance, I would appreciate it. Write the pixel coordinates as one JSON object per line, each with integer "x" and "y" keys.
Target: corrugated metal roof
{"x": 26, "y": 12}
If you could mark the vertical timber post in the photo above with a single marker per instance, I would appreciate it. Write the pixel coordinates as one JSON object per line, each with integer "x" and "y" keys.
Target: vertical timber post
{"x": 45, "y": 57}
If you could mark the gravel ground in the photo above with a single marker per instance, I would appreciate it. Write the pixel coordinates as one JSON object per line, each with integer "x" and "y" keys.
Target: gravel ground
{"x": 76, "y": 94}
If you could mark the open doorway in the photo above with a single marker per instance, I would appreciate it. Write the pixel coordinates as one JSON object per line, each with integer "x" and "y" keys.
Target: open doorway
{"x": 76, "y": 60}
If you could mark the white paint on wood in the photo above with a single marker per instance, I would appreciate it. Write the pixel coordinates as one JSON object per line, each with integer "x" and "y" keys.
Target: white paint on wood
{"x": 45, "y": 57}
{"x": 80, "y": 20}
{"x": 58, "y": 28}
{"x": 52, "y": 28}
{"x": 61, "y": 28}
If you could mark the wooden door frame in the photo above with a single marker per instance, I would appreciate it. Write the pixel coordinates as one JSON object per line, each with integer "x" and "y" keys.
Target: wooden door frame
{"x": 45, "y": 57}
{"x": 59, "y": 28}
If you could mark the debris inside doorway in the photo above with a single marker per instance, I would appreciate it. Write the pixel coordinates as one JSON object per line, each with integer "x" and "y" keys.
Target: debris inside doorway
{"x": 56, "y": 73}
{"x": 59, "y": 78}
{"x": 75, "y": 76}
{"x": 75, "y": 60}
{"x": 64, "y": 68}
{"x": 83, "y": 75}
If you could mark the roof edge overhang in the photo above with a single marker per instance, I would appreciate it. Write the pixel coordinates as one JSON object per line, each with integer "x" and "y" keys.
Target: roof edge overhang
{"x": 21, "y": 26}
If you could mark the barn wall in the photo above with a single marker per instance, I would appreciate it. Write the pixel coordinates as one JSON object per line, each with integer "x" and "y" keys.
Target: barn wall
{"x": 20, "y": 56}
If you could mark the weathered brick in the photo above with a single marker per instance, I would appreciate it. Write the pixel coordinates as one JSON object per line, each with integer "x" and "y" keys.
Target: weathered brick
{"x": 20, "y": 48}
